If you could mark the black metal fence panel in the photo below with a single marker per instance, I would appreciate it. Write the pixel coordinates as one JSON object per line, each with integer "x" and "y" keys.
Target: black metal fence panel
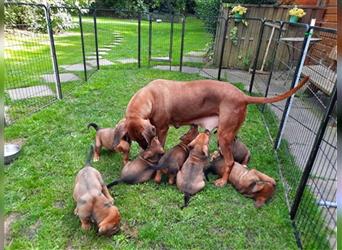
{"x": 31, "y": 82}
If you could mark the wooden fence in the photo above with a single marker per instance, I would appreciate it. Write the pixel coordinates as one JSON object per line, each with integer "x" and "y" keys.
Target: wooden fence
{"x": 240, "y": 53}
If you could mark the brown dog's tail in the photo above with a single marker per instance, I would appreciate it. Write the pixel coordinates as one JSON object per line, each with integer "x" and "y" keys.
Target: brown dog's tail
{"x": 94, "y": 125}
{"x": 257, "y": 100}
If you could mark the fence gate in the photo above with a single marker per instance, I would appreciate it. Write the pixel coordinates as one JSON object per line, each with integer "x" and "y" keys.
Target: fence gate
{"x": 32, "y": 79}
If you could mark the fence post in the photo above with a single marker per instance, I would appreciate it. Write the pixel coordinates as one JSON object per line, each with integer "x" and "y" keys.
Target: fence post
{"x": 149, "y": 39}
{"x": 139, "y": 40}
{"x": 182, "y": 45}
{"x": 312, "y": 156}
{"x": 262, "y": 28}
{"x": 82, "y": 43}
{"x": 222, "y": 48}
{"x": 171, "y": 40}
{"x": 96, "y": 41}
{"x": 53, "y": 52}
{"x": 295, "y": 80}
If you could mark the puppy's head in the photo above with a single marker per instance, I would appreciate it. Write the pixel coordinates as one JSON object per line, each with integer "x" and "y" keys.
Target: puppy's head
{"x": 140, "y": 130}
{"x": 262, "y": 191}
{"x": 155, "y": 150}
{"x": 200, "y": 143}
{"x": 190, "y": 135}
{"x": 111, "y": 224}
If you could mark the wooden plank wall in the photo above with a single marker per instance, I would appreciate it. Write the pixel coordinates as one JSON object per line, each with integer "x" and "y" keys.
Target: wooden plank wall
{"x": 239, "y": 56}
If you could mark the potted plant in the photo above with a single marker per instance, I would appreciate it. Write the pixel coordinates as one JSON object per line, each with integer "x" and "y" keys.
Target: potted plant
{"x": 295, "y": 14}
{"x": 238, "y": 12}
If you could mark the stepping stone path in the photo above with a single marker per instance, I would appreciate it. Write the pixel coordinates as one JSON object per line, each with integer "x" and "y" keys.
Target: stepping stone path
{"x": 197, "y": 53}
{"x": 127, "y": 60}
{"x": 76, "y": 67}
{"x": 92, "y": 57}
{"x": 28, "y": 92}
{"x": 160, "y": 58}
{"x": 104, "y": 49}
{"x": 194, "y": 59}
{"x": 100, "y": 53}
{"x": 185, "y": 69}
{"x": 103, "y": 62}
{"x": 115, "y": 43}
{"x": 65, "y": 77}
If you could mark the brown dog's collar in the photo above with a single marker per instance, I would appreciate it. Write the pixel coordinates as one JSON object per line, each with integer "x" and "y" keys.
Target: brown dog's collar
{"x": 184, "y": 147}
{"x": 147, "y": 161}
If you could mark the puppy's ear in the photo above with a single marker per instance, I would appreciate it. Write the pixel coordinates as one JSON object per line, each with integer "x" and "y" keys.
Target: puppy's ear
{"x": 205, "y": 150}
{"x": 192, "y": 144}
{"x": 147, "y": 154}
{"x": 257, "y": 186}
{"x": 120, "y": 132}
{"x": 149, "y": 131}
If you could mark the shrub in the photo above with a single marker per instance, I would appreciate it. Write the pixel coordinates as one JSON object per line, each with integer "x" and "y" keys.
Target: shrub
{"x": 208, "y": 11}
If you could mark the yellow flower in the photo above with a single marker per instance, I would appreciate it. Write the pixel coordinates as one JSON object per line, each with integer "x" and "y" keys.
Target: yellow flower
{"x": 297, "y": 12}
{"x": 239, "y": 9}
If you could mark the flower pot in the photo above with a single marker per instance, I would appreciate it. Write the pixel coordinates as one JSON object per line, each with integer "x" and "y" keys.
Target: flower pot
{"x": 237, "y": 18}
{"x": 294, "y": 19}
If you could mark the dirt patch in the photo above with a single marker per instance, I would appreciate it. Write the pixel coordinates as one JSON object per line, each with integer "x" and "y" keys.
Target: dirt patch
{"x": 33, "y": 230}
{"x": 129, "y": 231}
{"x": 7, "y": 227}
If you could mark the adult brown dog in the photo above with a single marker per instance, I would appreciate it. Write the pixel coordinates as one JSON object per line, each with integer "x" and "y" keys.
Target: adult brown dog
{"x": 190, "y": 178}
{"x": 173, "y": 160}
{"x": 207, "y": 103}
{"x": 251, "y": 183}
{"x": 94, "y": 203}
{"x": 105, "y": 138}
{"x": 140, "y": 170}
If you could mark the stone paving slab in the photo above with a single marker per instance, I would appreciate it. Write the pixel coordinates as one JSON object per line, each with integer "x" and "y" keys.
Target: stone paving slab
{"x": 100, "y": 53}
{"x": 103, "y": 62}
{"x": 127, "y": 60}
{"x": 92, "y": 57}
{"x": 76, "y": 67}
{"x": 116, "y": 43}
{"x": 195, "y": 59}
{"x": 197, "y": 53}
{"x": 109, "y": 46}
{"x": 104, "y": 49}
{"x": 28, "y": 92}
{"x": 64, "y": 77}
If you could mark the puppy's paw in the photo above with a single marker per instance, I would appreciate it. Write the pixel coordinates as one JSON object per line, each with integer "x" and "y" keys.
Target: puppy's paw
{"x": 76, "y": 211}
{"x": 86, "y": 227}
{"x": 220, "y": 182}
{"x": 96, "y": 158}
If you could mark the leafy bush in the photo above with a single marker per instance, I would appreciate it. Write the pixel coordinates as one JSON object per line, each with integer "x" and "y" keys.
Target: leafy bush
{"x": 208, "y": 11}
{"x": 33, "y": 18}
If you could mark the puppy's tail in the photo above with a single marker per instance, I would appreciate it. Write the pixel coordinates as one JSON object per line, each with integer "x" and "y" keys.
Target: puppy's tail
{"x": 113, "y": 183}
{"x": 187, "y": 197}
{"x": 94, "y": 125}
{"x": 90, "y": 155}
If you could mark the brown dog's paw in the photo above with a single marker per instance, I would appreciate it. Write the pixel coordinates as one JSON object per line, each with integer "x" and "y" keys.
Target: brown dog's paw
{"x": 220, "y": 182}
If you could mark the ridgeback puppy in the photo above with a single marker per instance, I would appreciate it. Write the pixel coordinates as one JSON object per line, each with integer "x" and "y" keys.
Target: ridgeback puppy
{"x": 173, "y": 160}
{"x": 140, "y": 170}
{"x": 94, "y": 203}
{"x": 190, "y": 178}
{"x": 207, "y": 103}
{"x": 251, "y": 183}
{"x": 105, "y": 138}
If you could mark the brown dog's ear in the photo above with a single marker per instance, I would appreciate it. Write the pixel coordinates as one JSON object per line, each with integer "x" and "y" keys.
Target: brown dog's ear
{"x": 257, "y": 186}
{"x": 149, "y": 131}
{"x": 120, "y": 132}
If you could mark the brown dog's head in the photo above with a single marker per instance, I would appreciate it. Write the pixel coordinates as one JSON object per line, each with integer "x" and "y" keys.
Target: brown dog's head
{"x": 200, "y": 144}
{"x": 261, "y": 191}
{"x": 137, "y": 129}
{"x": 154, "y": 150}
{"x": 190, "y": 135}
{"x": 111, "y": 224}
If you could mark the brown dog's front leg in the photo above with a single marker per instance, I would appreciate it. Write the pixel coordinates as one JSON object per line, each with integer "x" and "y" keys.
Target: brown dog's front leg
{"x": 158, "y": 177}
{"x": 106, "y": 193}
{"x": 162, "y": 133}
{"x": 225, "y": 141}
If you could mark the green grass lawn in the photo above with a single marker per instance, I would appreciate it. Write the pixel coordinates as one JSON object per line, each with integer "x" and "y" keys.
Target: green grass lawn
{"x": 39, "y": 185}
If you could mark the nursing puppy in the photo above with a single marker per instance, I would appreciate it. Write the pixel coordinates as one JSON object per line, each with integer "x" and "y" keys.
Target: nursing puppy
{"x": 140, "y": 170}
{"x": 251, "y": 183}
{"x": 105, "y": 138}
{"x": 94, "y": 203}
{"x": 174, "y": 159}
{"x": 190, "y": 179}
